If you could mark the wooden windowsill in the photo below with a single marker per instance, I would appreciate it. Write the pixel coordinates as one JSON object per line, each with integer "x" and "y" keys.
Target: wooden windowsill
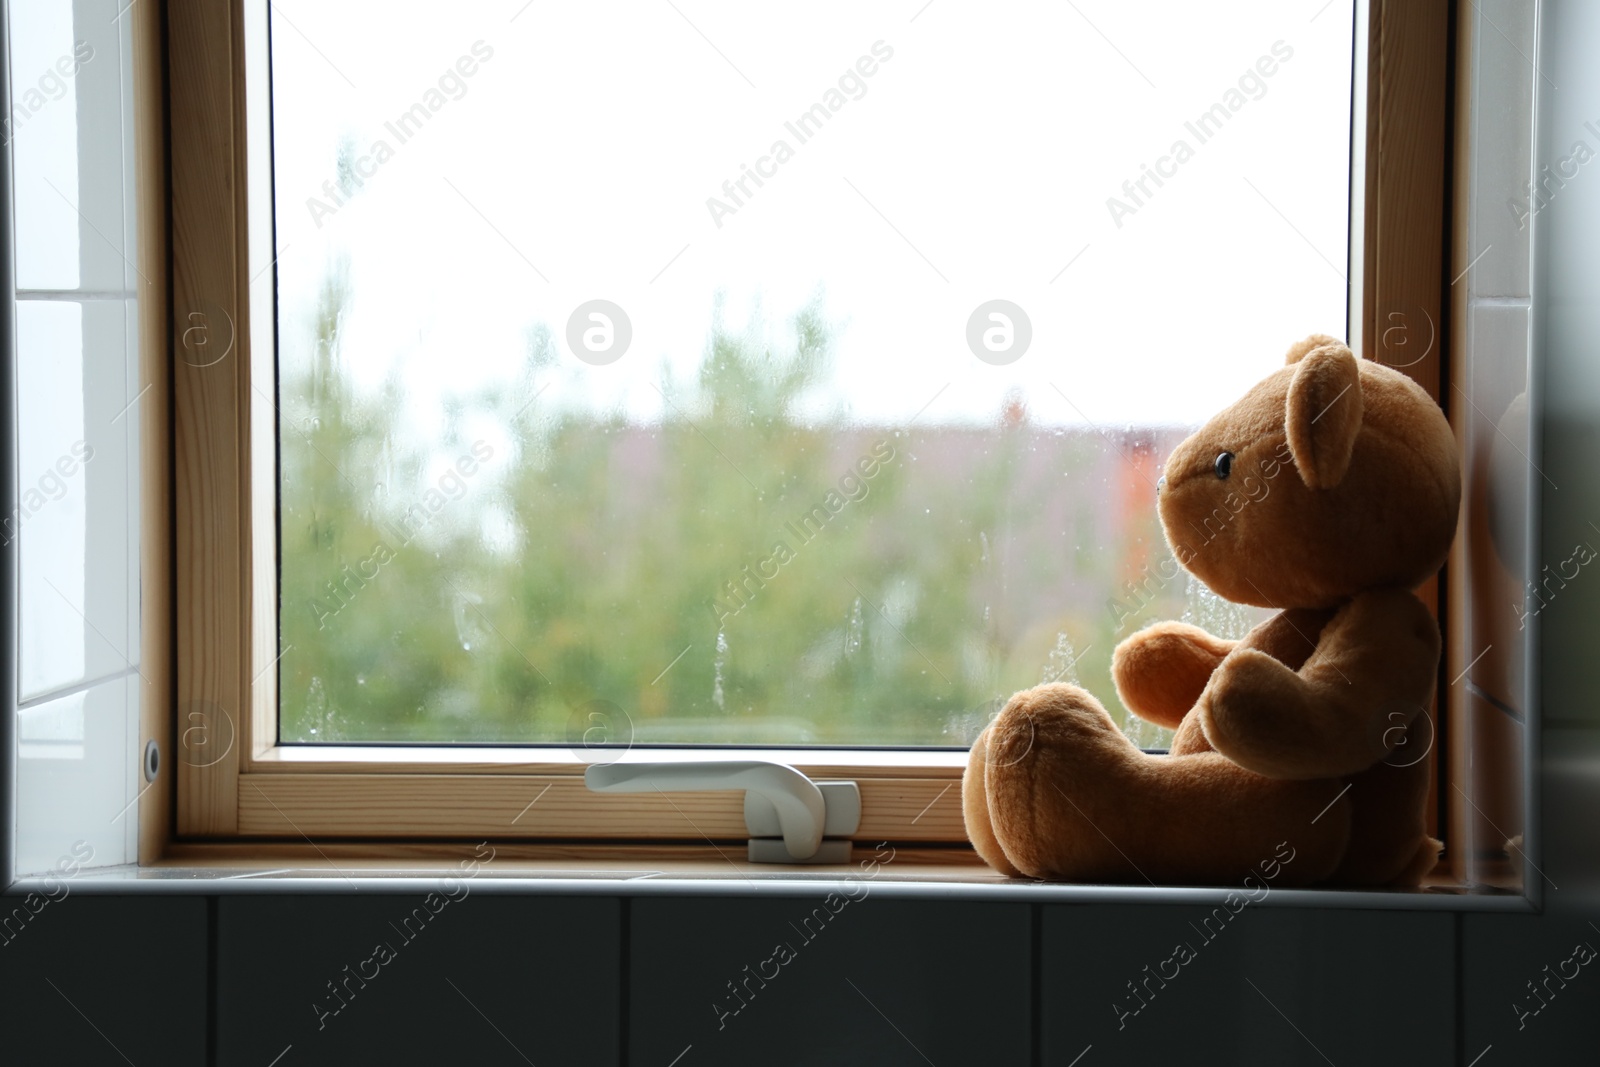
{"x": 942, "y": 763}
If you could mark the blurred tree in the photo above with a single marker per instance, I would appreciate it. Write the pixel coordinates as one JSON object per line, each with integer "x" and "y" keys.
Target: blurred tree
{"x": 740, "y": 570}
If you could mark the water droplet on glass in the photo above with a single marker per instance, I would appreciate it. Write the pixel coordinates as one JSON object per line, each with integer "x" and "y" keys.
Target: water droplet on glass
{"x": 1216, "y": 616}
{"x": 469, "y": 627}
{"x": 1062, "y": 663}
{"x": 717, "y": 696}
{"x": 854, "y": 627}
{"x": 319, "y": 715}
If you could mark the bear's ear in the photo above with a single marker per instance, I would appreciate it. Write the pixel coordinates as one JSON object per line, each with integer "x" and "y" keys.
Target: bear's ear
{"x": 1323, "y": 413}
{"x": 1298, "y": 350}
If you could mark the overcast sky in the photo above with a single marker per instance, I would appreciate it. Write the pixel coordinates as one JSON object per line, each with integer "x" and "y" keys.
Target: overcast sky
{"x": 977, "y": 165}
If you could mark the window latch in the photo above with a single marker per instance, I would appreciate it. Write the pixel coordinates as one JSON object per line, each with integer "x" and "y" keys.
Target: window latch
{"x": 791, "y": 819}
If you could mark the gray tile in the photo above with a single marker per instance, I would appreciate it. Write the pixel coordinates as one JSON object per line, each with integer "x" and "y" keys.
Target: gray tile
{"x": 1502, "y": 143}
{"x": 486, "y": 980}
{"x": 1266, "y": 985}
{"x": 1502, "y": 955}
{"x": 104, "y": 980}
{"x": 1569, "y": 322}
{"x": 1566, "y": 243}
{"x": 874, "y": 981}
{"x": 1569, "y": 623}
{"x": 1569, "y": 843}
{"x": 1491, "y": 406}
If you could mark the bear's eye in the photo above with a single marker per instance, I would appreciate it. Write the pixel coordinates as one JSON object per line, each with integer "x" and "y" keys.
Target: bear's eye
{"x": 1224, "y": 465}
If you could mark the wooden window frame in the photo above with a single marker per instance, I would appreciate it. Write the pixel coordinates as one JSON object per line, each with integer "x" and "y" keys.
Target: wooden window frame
{"x": 210, "y": 534}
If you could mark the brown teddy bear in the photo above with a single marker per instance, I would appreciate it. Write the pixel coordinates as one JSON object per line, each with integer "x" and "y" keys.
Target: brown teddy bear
{"x": 1329, "y": 492}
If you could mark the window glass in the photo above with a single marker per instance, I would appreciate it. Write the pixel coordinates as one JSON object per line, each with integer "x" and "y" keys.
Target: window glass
{"x": 768, "y": 374}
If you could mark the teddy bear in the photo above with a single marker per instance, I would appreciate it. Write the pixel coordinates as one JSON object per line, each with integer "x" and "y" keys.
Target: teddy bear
{"x": 1329, "y": 493}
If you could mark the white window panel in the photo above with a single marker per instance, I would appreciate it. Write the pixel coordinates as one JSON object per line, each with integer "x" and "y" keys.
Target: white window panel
{"x": 75, "y": 782}
{"x": 49, "y": 525}
{"x": 72, "y": 516}
{"x": 43, "y": 131}
{"x": 104, "y": 200}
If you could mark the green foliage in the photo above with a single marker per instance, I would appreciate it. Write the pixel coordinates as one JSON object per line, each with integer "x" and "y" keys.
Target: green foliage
{"x": 734, "y": 572}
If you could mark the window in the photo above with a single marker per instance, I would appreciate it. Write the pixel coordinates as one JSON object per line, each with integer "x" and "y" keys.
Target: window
{"x": 590, "y": 417}
{"x": 748, "y": 413}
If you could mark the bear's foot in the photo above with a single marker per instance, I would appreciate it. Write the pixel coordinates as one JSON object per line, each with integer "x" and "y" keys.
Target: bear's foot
{"x": 1068, "y": 797}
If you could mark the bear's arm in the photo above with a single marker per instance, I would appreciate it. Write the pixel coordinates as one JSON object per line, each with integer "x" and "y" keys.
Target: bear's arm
{"x": 1372, "y": 673}
{"x": 1161, "y": 671}
{"x": 1290, "y": 637}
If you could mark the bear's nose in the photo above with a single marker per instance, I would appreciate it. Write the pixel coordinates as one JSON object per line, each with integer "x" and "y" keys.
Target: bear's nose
{"x": 1160, "y": 482}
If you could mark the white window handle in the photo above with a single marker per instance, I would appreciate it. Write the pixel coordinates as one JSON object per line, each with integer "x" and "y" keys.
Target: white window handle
{"x": 778, "y": 800}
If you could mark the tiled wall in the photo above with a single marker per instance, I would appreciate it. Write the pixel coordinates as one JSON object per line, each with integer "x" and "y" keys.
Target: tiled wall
{"x": 74, "y": 527}
{"x": 550, "y": 980}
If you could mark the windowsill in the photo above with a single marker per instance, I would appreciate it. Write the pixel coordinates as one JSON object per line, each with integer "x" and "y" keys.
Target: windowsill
{"x": 912, "y": 878}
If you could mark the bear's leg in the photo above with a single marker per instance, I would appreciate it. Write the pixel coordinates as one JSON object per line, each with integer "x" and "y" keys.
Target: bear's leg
{"x": 975, "y": 809}
{"x": 1389, "y": 842}
{"x": 1422, "y": 863}
{"x": 1070, "y": 798}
